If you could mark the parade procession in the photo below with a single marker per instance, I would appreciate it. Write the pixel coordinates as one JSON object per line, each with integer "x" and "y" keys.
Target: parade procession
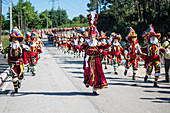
{"x": 112, "y": 60}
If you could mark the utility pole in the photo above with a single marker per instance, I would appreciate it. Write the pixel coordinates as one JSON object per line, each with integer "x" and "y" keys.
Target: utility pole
{"x": 47, "y": 21}
{"x": 52, "y": 15}
{"x": 25, "y": 29}
{"x": 10, "y": 15}
{"x": 18, "y": 21}
{"x": 21, "y": 22}
{"x": 0, "y": 19}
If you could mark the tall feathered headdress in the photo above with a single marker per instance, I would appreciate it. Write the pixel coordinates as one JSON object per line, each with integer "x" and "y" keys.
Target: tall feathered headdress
{"x": 92, "y": 19}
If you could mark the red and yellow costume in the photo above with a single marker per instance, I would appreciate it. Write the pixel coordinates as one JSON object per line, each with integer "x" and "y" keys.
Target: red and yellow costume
{"x": 64, "y": 45}
{"x": 131, "y": 50}
{"x": 75, "y": 43}
{"x": 16, "y": 57}
{"x": 153, "y": 50}
{"x": 103, "y": 52}
{"x": 115, "y": 50}
{"x": 33, "y": 54}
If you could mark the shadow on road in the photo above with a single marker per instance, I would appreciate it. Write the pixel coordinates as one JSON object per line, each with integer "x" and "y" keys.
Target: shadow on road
{"x": 76, "y": 72}
{"x": 137, "y": 85}
{"x": 56, "y": 93}
{"x": 71, "y": 62}
{"x": 164, "y": 92}
{"x": 158, "y": 100}
{"x": 72, "y": 67}
{"x": 3, "y": 67}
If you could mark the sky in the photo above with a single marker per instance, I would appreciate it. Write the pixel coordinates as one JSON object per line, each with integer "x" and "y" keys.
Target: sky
{"x": 73, "y": 7}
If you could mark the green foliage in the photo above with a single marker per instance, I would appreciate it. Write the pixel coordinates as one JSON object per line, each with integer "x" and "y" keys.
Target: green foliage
{"x": 5, "y": 41}
{"x": 58, "y": 17}
{"x": 118, "y": 15}
{"x": 74, "y": 25}
{"x": 80, "y": 19}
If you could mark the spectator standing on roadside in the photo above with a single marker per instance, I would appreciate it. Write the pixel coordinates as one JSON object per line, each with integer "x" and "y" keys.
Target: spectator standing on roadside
{"x": 166, "y": 45}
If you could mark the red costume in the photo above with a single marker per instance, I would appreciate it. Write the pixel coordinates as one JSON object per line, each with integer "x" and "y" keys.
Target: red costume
{"x": 131, "y": 51}
{"x": 93, "y": 72}
{"x": 115, "y": 50}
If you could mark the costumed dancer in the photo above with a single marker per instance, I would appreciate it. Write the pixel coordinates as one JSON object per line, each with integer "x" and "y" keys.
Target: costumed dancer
{"x": 40, "y": 45}
{"x": 93, "y": 72}
{"x": 75, "y": 44}
{"x": 80, "y": 42}
{"x": 115, "y": 50}
{"x": 131, "y": 51}
{"x": 16, "y": 57}
{"x": 27, "y": 42}
{"x": 69, "y": 43}
{"x": 33, "y": 54}
{"x": 153, "y": 49}
{"x": 59, "y": 42}
{"x": 103, "y": 53}
{"x": 146, "y": 37}
{"x": 64, "y": 43}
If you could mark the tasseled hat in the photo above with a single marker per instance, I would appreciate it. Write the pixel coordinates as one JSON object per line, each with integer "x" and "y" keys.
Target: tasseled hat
{"x": 85, "y": 35}
{"x": 150, "y": 32}
{"x": 116, "y": 36}
{"x": 131, "y": 34}
{"x": 28, "y": 37}
{"x": 33, "y": 35}
{"x": 16, "y": 33}
{"x": 103, "y": 36}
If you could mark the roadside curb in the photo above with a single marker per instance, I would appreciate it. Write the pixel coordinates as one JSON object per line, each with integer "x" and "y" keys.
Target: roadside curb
{"x": 4, "y": 76}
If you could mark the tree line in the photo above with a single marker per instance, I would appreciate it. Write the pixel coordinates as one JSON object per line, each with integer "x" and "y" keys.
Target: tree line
{"x": 119, "y": 15}
{"x": 25, "y": 13}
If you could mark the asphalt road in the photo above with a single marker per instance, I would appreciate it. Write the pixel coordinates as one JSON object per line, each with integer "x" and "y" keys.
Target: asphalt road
{"x": 3, "y": 64}
{"x": 58, "y": 88}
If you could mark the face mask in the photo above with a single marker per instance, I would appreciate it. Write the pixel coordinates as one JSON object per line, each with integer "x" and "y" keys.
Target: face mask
{"x": 154, "y": 41}
{"x": 15, "y": 45}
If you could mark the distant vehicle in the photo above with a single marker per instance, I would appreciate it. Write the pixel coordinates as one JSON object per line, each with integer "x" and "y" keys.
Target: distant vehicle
{"x": 50, "y": 37}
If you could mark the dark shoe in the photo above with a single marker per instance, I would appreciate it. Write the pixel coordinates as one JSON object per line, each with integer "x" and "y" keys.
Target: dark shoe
{"x": 116, "y": 73}
{"x": 125, "y": 73}
{"x": 133, "y": 78}
{"x": 155, "y": 85}
{"x": 105, "y": 67}
{"x": 33, "y": 74}
{"x": 19, "y": 84}
{"x": 87, "y": 86}
{"x": 146, "y": 78}
{"x": 16, "y": 90}
{"x": 95, "y": 93}
{"x": 28, "y": 69}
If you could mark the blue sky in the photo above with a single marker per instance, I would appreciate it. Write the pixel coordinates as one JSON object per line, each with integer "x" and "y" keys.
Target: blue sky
{"x": 73, "y": 7}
